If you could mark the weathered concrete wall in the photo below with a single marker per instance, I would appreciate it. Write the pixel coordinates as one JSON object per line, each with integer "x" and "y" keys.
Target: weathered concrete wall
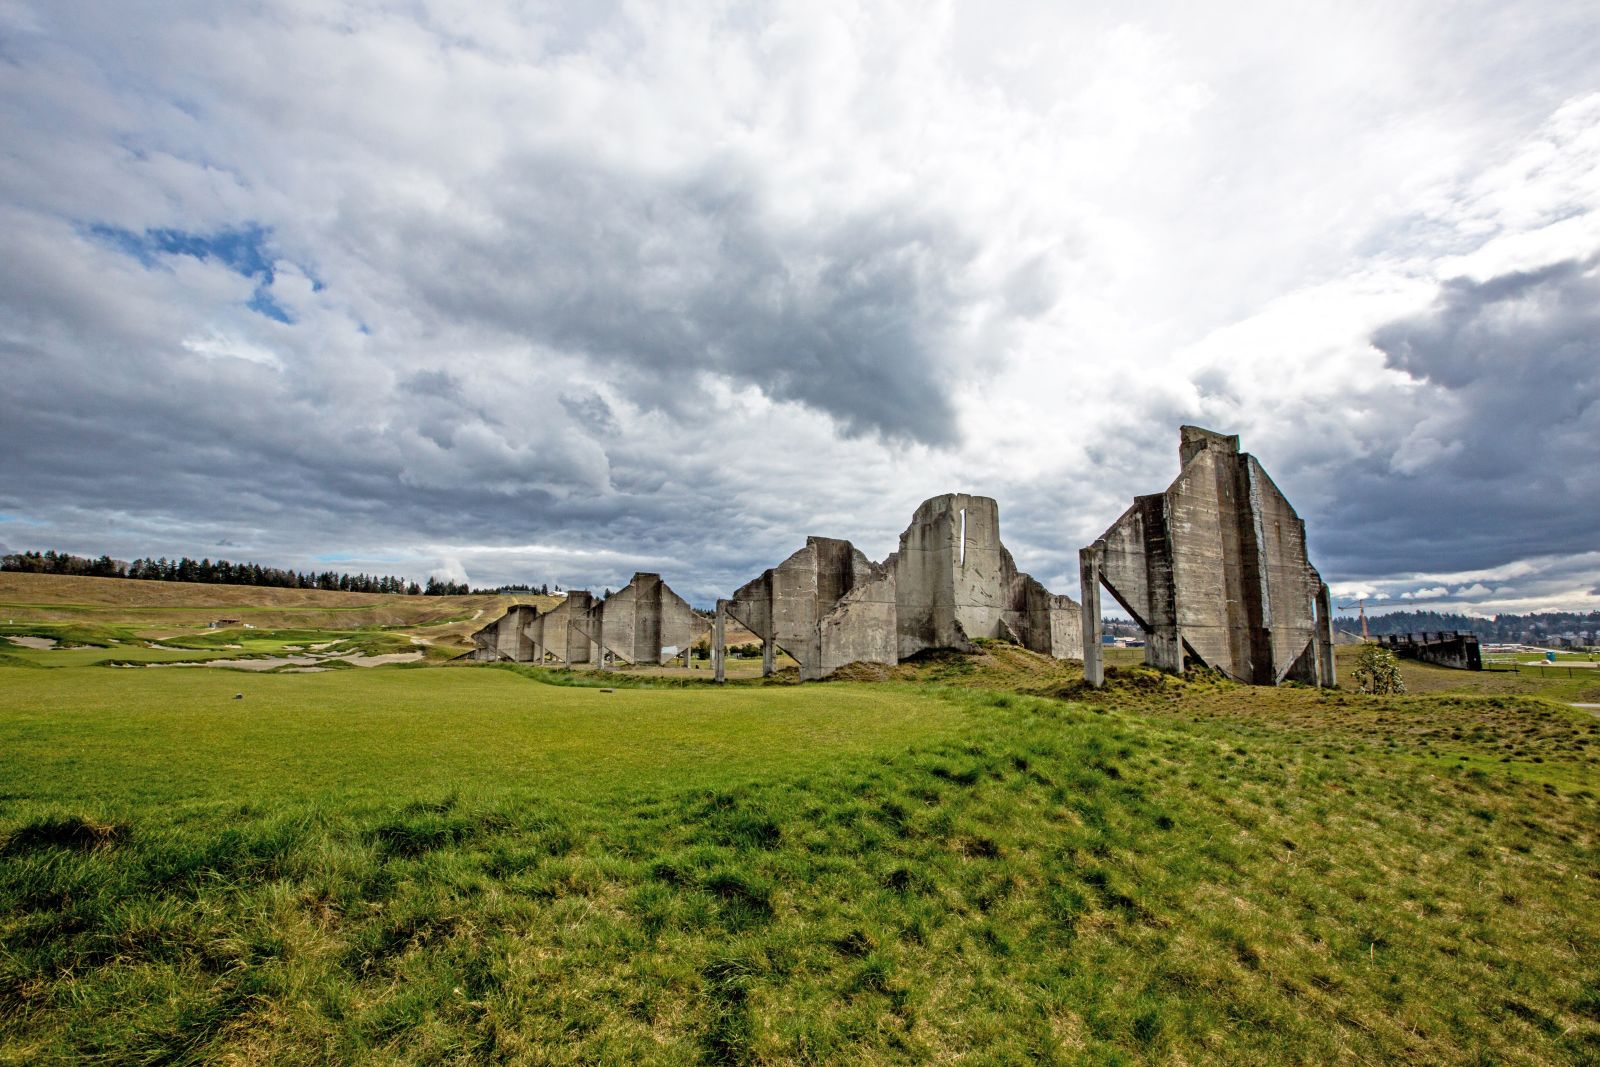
{"x": 1215, "y": 572}
{"x": 1045, "y": 621}
{"x": 1291, "y": 614}
{"x": 558, "y": 636}
{"x": 786, "y": 605}
{"x": 643, "y": 623}
{"x": 951, "y": 582}
{"x": 861, "y": 628}
{"x": 506, "y": 638}
{"x": 955, "y": 582}
{"x": 942, "y": 600}
{"x": 1457, "y": 649}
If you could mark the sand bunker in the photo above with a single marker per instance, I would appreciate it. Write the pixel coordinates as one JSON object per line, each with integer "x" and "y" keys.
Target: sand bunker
{"x": 41, "y": 644}
{"x": 266, "y": 663}
{"x": 378, "y": 661}
{"x": 307, "y": 664}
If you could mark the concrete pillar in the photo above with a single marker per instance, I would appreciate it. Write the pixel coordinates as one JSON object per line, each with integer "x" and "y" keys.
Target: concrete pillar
{"x": 719, "y": 642}
{"x": 1327, "y": 667}
{"x": 1089, "y": 590}
{"x": 769, "y": 655}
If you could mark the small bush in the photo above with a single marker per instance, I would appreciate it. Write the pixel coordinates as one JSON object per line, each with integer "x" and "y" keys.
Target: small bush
{"x": 1377, "y": 671}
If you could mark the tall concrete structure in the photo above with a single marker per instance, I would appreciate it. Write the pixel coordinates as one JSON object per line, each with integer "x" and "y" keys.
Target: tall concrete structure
{"x": 951, "y": 582}
{"x": 1215, "y": 571}
{"x": 507, "y": 638}
{"x": 955, "y": 581}
{"x": 786, "y": 607}
{"x": 556, "y": 635}
{"x": 643, "y": 623}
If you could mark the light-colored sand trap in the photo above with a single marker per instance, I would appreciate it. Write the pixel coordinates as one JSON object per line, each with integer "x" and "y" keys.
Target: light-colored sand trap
{"x": 378, "y": 661}
{"x": 41, "y": 644}
{"x": 265, "y": 664}
{"x": 299, "y": 664}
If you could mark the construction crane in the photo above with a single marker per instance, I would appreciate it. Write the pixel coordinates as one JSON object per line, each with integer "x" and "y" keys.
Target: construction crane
{"x": 1362, "y": 604}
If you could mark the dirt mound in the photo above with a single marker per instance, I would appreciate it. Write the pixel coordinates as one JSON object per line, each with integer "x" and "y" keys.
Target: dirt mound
{"x": 863, "y": 672}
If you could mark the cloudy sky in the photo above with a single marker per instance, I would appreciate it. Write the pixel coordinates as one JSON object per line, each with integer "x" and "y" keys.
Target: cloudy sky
{"x": 558, "y": 291}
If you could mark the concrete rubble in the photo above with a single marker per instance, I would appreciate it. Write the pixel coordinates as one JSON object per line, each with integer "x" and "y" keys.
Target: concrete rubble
{"x": 1215, "y": 571}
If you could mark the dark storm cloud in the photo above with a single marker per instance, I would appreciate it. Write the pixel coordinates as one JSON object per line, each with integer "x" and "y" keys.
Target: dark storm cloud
{"x": 1499, "y": 461}
{"x": 659, "y": 278}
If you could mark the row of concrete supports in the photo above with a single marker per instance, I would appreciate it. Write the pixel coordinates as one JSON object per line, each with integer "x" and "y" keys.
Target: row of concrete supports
{"x": 645, "y": 622}
{"x": 1214, "y": 570}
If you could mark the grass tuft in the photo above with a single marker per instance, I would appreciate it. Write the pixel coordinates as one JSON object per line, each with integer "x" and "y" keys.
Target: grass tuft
{"x": 72, "y": 832}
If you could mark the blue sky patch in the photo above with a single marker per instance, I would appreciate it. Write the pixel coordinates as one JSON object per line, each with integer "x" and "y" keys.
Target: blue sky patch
{"x": 242, "y": 250}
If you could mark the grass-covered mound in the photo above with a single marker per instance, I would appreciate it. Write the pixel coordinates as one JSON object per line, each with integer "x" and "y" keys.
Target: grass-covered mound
{"x": 466, "y": 865}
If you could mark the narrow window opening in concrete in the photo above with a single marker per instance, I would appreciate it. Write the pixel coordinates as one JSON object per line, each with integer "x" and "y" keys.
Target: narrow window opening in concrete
{"x": 963, "y": 537}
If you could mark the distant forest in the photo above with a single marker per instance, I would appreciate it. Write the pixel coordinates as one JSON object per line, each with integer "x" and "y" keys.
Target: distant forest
{"x": 221, "y": 572}
{"x": 1500, "y": 628}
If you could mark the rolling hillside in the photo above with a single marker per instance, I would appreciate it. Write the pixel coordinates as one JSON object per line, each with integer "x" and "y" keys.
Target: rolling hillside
{"x": 165, "y": 608}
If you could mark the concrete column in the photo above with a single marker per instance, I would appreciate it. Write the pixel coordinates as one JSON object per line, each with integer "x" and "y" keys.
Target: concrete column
{"x": 769, "y": 655}
{"x": 1327, "y": 667}
{"x": 1089, "y": 589}
{"x": 719, "y": 642}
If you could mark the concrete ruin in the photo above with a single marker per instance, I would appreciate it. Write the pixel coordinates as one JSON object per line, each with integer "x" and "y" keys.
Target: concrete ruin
{"x": 800, "y": 607}
{"x": 1215, "y": 572}
{"x": 1456, "y": 649}
{"x": 557, "y": 636}
{"x": 508, "y": 637}
{"x": 950, "y": 583}
{"x": 643, "y": 624}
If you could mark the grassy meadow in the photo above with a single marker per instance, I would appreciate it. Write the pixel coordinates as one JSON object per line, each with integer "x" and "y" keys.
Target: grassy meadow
{"x": 968, "y": 859}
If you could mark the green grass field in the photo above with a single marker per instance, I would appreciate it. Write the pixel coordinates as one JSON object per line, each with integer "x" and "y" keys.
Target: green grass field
{"x": 969, "y": 859}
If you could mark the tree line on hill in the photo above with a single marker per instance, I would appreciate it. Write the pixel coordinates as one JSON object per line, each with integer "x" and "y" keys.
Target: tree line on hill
{"x": 222, "y": 572}
{"x": 1501, "y": 628}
